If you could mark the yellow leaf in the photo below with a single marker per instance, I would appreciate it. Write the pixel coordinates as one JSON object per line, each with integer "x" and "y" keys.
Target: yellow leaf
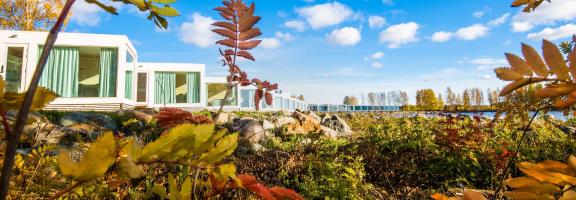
{"x": 507, "y": 74}
{"x": 527, "y": 196}
{"x": 160, "y": 190}
{"x": 518, "y": 64}
{"x": 572, "y": 61}
{"x": 172, "y": 187}
{"x": 514, "y": 86}
{"x": 517, "y": 3}
{"x": 555, "y": 90}
{"x": 13, "y": 101}
{"x": 555, "y": 60}
{"x": 534, "y": 60}
{"x": 527, "y": 184}
{"x": 572, "y": 163}
{"x": 539, "y": 173}
{"x": 177, "y": 144}
{"x": 223, "y": 172}
{"x": 473, "y": 195}
{"x": 568, "y": 195}
{"x": 127, "y": 169}
{"x": 94, "y": 163}
{"x": 186, "y": 189}
{"x": 223, "y": 148}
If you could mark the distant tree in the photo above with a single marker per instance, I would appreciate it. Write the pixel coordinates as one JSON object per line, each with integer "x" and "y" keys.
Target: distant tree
{"x": 301, "y": 98}
{"x": 404, "y": 98}
{"x": 458, "y": 100}
{"x": 450, "y": 97}
{"x": 29, "y": 15}
{"x": 350, "y": 100}
{"x": 426, "y": 99}
{"x": 440, "y": 101}
{"x": 372, "y": 98}
{"x": 466, "y": 99}
{"x": 478, "y": 97}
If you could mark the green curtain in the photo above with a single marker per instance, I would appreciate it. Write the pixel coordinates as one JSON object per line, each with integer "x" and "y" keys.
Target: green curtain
{"x": 128, "y": 85}
{"x": 61, "y": 71}
{"x": 108, "y": 69}
{"x": 165, "y": 88}
{"x": 193, "y": 83}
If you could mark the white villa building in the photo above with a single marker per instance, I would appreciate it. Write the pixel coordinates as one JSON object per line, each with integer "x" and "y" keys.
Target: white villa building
{"x": 103, "y": 73}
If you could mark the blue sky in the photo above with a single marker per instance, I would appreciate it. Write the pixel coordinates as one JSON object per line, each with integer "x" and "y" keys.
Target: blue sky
{"x": 328, "y": 49}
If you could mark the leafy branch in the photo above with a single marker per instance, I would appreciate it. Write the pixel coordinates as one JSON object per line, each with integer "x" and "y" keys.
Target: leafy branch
{"x": 239, "y": 37}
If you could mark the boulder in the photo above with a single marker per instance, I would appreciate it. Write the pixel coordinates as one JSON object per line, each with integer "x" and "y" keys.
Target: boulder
{"x": 281, "y": 121}
{"x": 91, "y": 122}
{"x": 142, "y": 116}
{"x": 337, "y": 124}
{"x": 267, "y": 125}
{"x": 303, "y": 124}
{"x": 328, "y": 132}
{"x": 250, "y": 129}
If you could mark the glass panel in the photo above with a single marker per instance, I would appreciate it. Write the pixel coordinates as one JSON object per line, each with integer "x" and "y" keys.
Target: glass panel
{"x": 217, "y": 91}
{"x": 14, "y": 68}
{"x": 61, "y": 71}
{"x": 181, "y": 88}
{"x": 141, "y": 88}
{"x": 128, "y": 85}
{"x": 89, "y": 72}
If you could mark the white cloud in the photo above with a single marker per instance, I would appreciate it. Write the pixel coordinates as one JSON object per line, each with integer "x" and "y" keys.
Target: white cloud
{"x": 441, "y": 36}
{"x": 284, "y": 36}
{"x": 347, "y": 36}
{"x": 377, "y": 64}
{"x": 399, "y": 34}
{"x": 270, "y": 43}
{"x": 478, "y": 14}
{"x": 85, "y": 14}
{"x": 375, "y": 21}
{"x": 500, "y": 20}
{"x": 197, "y": 31}
{"x": 377, "y": 55}
{"x": 547, "y": 13}
{"x": 296, "y": 25}
{"x": 554, "y": 33}
{"x": 388, "y": 2}
{"x": 325, "y": 15}
{"x": 488, "y": 63}
{"x": 472, "y": 32}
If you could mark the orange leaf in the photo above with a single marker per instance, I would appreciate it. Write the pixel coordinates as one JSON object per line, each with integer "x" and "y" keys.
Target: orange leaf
{"x": 534, "y": 60}
{"x": 226, "y": 25}
{"x": 247, "y": 45}
{"x": 249, "y": 34}
{"x": 555, "y": 60}
{"x": 555, "y": 90}
{"x": 225, "y": 32}
{"x": 227, "y": 42}
{"x": 283, "y": 193}
{"x": 246, "y": 54}
{"x": 518, "y": 64}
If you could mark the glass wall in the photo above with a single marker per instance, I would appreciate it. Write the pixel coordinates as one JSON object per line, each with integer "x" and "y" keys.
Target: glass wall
{"x": 217, "y": 91}
{"x": 81, "y": 71}
{"x": 142, "y": 87}
{"x": 14, "y": 65}
{"x": 177, "y": 87}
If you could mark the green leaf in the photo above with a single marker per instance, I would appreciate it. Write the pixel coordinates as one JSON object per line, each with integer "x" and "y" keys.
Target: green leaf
{"x": 186, "y": 189}
{"x": 94, "y": 163}
{"x": 165, "y": 11}
{"x": 160, "y": 190}
{"x": 173, "y": 187}
{"x": 163, "y": 1}
{"x": 106, "y": 8}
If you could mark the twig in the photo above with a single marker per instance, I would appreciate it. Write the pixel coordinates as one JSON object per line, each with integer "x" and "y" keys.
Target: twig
{"x": 516, "y": 152}
{"x": 66, "y": 190}
{"x": 194, "y": 185}
{"x": 12, "y": 140}
{"x": 5, "y": 124}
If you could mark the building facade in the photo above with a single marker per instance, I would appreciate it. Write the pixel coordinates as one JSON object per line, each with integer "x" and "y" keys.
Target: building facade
{"x": 103, "y": 73}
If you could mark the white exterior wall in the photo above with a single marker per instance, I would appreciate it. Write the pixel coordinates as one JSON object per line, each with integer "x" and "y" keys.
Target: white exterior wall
{"x": 152, "y": 68}
{"x": 32, "y": 40}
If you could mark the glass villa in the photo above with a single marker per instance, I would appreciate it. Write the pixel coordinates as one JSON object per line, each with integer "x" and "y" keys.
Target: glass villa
{"x": 101, "y": 72}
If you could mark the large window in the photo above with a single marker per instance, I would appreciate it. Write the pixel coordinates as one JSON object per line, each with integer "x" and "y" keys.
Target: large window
{"x": 177, "y": 87}
{"x": 14, "y": 66}
{"x": 217, "y": 91}
{"x": 81, "y": 71}
{"x": 142, "y": 85}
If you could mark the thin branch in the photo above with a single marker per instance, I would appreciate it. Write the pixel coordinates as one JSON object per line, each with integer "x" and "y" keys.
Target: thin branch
{"x": 12, "y": 139}
{"x": 516, "y": 151}
{"x": 5, "y": 124}
{"x": 66, "y": 190}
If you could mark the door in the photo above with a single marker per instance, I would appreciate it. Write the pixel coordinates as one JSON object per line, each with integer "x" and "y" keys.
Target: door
{"x": 14, "y": 68}
{"x": 142, "y": 87}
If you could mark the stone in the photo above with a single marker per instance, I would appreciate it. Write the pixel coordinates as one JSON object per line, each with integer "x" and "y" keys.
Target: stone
{"x": 328, "y": 132}
{"x": 267, "y": 125}
{"x": 223, "y": 118}
{"x": 257, "y": 147}
{"x": 337, "y": 124}
{"x": 91, "y": 122}
{"x": 250, "y": 129}
{"x": 142, "y": 116}
{"x": 304, "y": 124}
{"x": 281, "y": 121}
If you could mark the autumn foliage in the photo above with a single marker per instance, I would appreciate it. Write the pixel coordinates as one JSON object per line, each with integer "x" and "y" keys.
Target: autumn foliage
{"x": 239, "y": 37}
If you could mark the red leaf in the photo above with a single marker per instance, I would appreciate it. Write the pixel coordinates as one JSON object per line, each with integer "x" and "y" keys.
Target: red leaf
{"x": 170, "y": 117}
{"x": 273, "y": 87}
{"x": 226, "y": 33}
{"x": 247, "y": 45}
{"x": 283, "y": 193}
{"x": 246, "y": 55}
{"x": 227, "y": 42}
{"x": 269, "y": 98}
{"x": 257, "y": 97}
{"x": 249, "y": 34}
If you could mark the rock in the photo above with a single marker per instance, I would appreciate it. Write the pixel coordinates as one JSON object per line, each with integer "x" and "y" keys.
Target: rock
{"x": 267, "y": 125}
{"x": 328, "y": 132}
{"x": 223, "y": 118}
{"x": 337, "y": 124}
{"x": 250, "y": 129}
{"x": 304, "y": 124}
{"x": 314, "y": 116}
{"x": 142, "y": 116}
{"x": 281, "y": 121}
{"x": 257, "y": 147}
{"x": 91, "y": 122}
